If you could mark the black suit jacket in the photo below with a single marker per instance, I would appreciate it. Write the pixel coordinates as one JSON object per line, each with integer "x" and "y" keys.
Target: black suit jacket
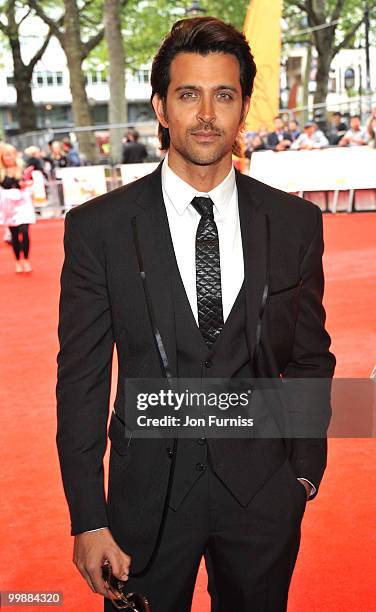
{"x": 273, "y": 141}
{"x": 102, "y": 303}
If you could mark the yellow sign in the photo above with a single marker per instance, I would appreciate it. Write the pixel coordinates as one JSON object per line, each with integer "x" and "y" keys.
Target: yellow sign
{"x": 262, "y": 28}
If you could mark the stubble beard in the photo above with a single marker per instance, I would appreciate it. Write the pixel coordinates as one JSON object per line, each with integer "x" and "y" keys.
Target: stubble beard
{"x": 196, "y": 154}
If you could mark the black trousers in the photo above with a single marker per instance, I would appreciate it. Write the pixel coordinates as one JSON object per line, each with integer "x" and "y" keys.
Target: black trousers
{"x": 22, "y": 245}
{"x": 249, "y": 552}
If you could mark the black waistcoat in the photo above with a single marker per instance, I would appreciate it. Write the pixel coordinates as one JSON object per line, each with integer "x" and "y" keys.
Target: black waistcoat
{"x": 246, "y": 465}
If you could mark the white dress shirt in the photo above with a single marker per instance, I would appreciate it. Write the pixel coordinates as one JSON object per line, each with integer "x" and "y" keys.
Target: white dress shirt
{"x": 183, "y": 220}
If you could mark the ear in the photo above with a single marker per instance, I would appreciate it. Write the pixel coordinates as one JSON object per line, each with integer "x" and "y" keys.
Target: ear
{"x": 159, "y": 109}
{"x": 245, "y": 109}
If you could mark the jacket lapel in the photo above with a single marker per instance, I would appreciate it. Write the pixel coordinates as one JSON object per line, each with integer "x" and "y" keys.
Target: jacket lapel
{"x": 253, "y": 225}
{"x": 157, "y": 254}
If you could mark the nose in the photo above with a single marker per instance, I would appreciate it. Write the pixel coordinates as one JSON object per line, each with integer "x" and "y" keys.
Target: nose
{"x": 206, "y": 112}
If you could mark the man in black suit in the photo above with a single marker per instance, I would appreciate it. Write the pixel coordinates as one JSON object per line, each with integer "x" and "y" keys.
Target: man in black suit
{"x": 134, "y": 152}
{"x": 280, "y": 139}
{"x": 197, "y": 272}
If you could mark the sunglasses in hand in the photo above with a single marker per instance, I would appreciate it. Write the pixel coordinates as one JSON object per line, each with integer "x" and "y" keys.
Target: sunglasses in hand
{"x": 133, "y": 602}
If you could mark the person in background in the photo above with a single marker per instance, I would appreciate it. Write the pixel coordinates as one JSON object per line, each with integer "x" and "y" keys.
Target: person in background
{"x": 7, "y": 237}
{"x": 310, "y": 138}
{"x": 34, "y": 157}
{"x": 134, "y": 152}
{"x": 73, "y": 158}
{"x": 255, "y": 143}
{"x": 55, "y": 160}
{"x": 294, "y": 129}
{"x": 356, "y": 136}
{"x": 371, "y": 129}
{"x": 338, "y": 128}
{"x": 263, "y": 133}
{"x": 16, "y": 208}
{"x": 56, "y": 157}
{"x": 280, "y": 139}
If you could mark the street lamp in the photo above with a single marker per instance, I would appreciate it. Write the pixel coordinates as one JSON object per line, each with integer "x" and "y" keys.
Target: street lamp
{"x": 195, "y": 10}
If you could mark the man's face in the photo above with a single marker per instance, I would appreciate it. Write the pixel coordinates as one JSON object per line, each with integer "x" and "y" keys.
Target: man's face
{"x": 204, "y": 108}
{"x": 278, "y": 125}
{"x": 355, "y": 123}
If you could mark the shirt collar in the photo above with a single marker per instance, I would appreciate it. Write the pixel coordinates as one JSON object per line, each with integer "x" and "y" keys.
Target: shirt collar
{"x": 181, "y": 193}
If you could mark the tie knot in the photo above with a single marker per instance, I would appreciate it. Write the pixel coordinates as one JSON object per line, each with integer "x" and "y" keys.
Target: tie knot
{"x": 204, "y": 206}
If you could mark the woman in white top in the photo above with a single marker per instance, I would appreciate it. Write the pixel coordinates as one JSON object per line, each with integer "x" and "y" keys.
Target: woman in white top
{"x": 16, "y": 207}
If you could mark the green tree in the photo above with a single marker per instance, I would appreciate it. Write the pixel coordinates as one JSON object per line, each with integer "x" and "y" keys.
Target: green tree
{"x": 73, "y": 22}
{"x": 342, "y": 20}
{"x": 144, "y": 25}
{"x": 12, "y": 17}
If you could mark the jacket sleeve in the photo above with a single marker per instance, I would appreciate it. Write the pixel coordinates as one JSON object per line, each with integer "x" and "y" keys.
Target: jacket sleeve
{"x": 83, "y": 379}
{"x": 311, "y": 359}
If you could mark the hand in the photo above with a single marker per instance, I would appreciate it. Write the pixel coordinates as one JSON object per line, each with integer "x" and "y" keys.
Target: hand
{"x": 307, "y": 487}
{"x": 90, "y": 551}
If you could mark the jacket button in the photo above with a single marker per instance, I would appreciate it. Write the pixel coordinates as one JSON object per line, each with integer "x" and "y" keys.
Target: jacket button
{"x": 201, "y": 441}
{"x": 200, "y": 467}
{"x": 208, "y": 363}
{"x": 169, "y": 452}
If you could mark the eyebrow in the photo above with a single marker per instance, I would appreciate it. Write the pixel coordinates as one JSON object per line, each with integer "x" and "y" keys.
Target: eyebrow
{"x": 196, "y": 88}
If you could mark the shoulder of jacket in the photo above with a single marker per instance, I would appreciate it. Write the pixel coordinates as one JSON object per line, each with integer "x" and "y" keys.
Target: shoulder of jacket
{"x": 110, "y": 202}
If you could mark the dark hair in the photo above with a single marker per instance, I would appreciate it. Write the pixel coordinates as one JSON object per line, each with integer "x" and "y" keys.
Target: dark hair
{"x": 355, "y": 117}
{"x": 200, "y": 35}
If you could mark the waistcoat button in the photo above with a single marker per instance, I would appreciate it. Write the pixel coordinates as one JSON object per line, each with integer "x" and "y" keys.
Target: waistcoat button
{"x": 200, "y": 467}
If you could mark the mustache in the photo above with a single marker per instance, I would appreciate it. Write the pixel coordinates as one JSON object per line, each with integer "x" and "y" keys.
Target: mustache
{"x": 205, "y": 127}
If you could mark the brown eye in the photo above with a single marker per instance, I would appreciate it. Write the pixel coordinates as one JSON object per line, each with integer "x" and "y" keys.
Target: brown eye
{"x": 224, "y": 95}
{"x": 188, "y": 95}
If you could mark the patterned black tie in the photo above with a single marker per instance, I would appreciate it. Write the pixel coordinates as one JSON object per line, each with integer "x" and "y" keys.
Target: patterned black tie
{"x": 208, "y": 272}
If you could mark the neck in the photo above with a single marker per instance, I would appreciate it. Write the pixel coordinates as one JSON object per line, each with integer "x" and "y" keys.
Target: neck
{"x": 202, "y": 178}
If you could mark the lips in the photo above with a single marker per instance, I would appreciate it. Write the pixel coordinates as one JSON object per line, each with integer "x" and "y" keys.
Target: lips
{"x": 205, "y": 136}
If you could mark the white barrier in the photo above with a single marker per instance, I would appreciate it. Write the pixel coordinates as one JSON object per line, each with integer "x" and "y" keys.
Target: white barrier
{"x": 38, "y": 189}
{"x": 82, "y": 184}
{"x": 330, "y": 169}
{"x": 132, "y": 172}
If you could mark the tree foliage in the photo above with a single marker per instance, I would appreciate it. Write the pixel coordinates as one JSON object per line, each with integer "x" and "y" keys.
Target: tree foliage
{"x": 11, "y": 19}
{"x": 144, "y": 25}
{"x": 344, "y": 28}
{"x": 69, "y": 25}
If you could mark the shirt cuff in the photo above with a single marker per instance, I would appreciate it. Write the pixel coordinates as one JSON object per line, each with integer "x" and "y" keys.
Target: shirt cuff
{"x": 313, "y": 488}
{"x": 91, "y": 530}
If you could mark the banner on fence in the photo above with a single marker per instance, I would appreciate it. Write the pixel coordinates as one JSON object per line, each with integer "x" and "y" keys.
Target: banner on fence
{"x": 38, "y": 189}
{"x": 330, "y": 169}
{"x": 132, "y": 172}
{"x": 82, "y": 184}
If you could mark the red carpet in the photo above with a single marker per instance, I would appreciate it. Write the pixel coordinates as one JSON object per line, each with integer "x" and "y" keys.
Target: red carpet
{"x": 336, "y": 565}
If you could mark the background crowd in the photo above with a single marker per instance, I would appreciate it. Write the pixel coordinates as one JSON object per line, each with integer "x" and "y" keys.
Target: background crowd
{"x": 289, "y": 135}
